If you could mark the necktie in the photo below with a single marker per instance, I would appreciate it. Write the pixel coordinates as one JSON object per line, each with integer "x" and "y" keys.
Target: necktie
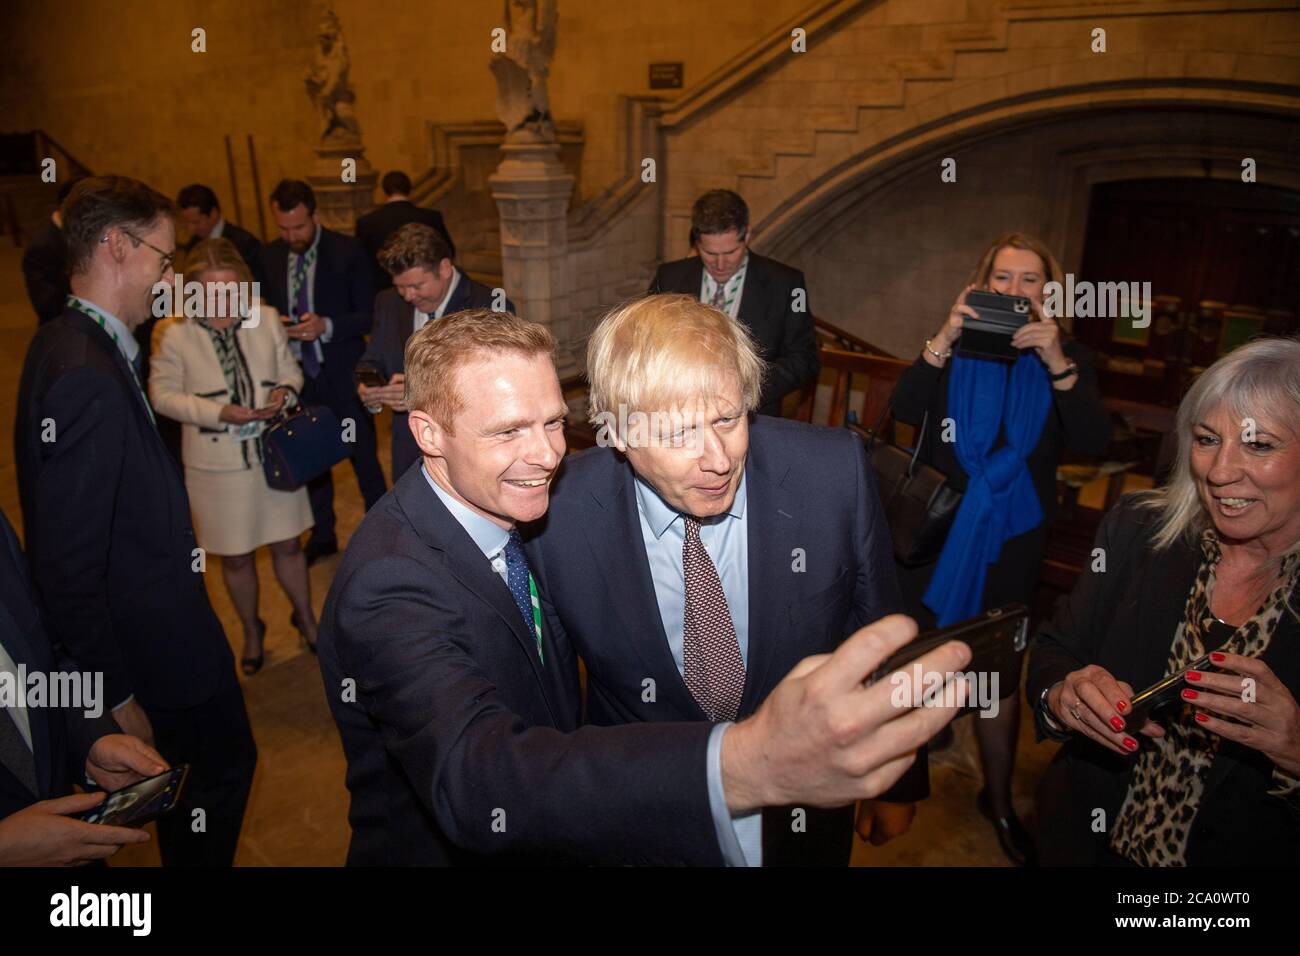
{"x": 714, "y": 668}
{"x": 719, "y": 297}
{"x": 301, "y": 306}
{"x": 522, "y": 588}
{"x": 14, "y": 752}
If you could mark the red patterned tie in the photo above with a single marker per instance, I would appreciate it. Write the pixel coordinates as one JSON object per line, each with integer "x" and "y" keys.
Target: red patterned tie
{"x": 715, "y": 671}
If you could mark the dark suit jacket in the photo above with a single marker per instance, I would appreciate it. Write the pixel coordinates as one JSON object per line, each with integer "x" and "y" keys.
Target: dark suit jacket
{"x": 344, "y": 291}
{"x": 807, "y": 488}
{"x": 785, "y": 337}
{"x": 1124, "y": 620}
{"x": 250, "y": 248}
{"x": 62, "y": 737}
{"x": 457, "y": 726}
{"x": 107, "y": 524}
{"x": 381, "y": 222}
{"x": 386, "y": 350}
{"x": 45, "y": 270}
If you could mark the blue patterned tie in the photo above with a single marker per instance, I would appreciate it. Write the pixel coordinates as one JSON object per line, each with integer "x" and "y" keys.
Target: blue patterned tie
{"x": 310, "y": 363}
{"x": 517, "y": 580}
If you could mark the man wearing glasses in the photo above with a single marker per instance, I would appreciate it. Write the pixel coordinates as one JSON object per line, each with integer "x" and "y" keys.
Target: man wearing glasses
{"x": 107, "y": 520}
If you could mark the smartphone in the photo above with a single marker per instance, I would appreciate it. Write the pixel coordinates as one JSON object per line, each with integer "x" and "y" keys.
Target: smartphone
{"x": 369, "y": 375}
{"x": 1164, "y": 692}
{"x": 999, "y": 316}
{"x": 140, "y": 803}
{"x": 995, "y": 638}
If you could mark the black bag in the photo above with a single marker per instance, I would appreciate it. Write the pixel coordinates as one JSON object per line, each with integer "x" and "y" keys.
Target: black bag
{"x": 919, "y": 502}
{"x": 300, "y": 445}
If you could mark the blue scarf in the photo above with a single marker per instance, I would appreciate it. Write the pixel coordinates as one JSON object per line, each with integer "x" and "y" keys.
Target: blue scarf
{"x": 1000, "y": 500}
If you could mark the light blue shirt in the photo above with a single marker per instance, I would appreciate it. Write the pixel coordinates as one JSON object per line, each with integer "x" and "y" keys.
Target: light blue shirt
{"x": 726, "y": 539}
{"x": 126, "y": 343}
{"x": 490, "y": 537}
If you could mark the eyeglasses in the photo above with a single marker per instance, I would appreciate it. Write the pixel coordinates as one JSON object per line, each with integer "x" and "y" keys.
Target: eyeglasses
{"x": 168, "y": 258}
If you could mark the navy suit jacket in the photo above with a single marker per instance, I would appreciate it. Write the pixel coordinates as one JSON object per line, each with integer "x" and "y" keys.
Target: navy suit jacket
{"x": 344, "y": 291}
{"x": 386, "y": 350}
{"x": 786, "y": 339}
{"x": 462, "y": 747}
{"x": 376, "y": 226}
{"x": 810, "y": 493}
{"x": 61, "y": 737}
{"x": 107, "y": 523}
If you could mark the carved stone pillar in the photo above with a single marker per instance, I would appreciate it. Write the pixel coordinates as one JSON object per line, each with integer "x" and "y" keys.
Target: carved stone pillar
{"x": 340, "y": 202}
{"x": 532, "y": 193}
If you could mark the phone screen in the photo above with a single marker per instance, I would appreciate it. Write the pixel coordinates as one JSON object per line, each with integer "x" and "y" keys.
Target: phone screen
{"x": 141, "y": 802}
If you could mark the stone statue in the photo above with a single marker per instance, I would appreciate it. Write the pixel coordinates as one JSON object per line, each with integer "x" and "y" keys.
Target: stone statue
{"x": 522, "y": 101}
{"x": 327, "y": 83}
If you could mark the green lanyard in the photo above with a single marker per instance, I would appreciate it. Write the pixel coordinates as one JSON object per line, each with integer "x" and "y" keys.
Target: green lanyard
{"x": 537, "y": 615}
{"x": 738, "y": 279}
{"x": 81, "y": 305}
{"x": 309, "y": 259}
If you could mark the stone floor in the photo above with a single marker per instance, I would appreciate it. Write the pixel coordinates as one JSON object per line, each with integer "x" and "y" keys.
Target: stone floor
{"x": 298, "y": 812}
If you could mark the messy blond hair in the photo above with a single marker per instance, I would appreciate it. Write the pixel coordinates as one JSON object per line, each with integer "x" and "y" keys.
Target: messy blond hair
{"x": 662, "y": 351}
{"x": 436, "y": 352}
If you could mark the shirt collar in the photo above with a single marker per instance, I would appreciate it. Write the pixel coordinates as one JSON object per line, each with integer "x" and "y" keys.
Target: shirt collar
{"x": 660, "y": 515}
{"x": 310, "y": 249}
{"x": 732, "y": 283}
{"x": 218, "y": 229}
{"x": 125, "y": 340}
{"x": 455, "y": 281}
{"x": 488, "y": 536}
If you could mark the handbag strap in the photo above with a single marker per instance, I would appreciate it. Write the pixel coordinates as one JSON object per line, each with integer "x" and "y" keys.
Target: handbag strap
{"x": 916, "y": 445}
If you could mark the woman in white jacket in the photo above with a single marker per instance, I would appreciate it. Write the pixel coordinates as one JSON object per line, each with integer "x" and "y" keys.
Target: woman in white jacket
{"x": 223, "y": 376}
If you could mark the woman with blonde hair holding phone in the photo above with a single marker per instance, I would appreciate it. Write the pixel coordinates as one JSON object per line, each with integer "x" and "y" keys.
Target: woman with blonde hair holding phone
{"x": 223, "y": 376}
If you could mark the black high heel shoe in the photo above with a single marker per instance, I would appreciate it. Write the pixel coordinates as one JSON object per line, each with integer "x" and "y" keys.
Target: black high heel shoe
{"x": 302, "y": 634}
{"x": 251, "y": 665}
{"x": 1014, "y": 839}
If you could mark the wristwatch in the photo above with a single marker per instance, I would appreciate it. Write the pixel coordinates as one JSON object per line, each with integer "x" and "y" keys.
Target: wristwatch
{"x": 1049, "y": 725}
{"x": 1071, "y": 369}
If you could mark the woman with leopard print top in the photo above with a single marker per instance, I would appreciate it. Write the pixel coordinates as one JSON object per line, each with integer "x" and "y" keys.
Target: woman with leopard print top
{"x": 1210, "y": 563}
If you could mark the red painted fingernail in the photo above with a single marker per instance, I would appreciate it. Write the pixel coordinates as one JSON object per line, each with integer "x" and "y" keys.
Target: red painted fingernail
{"x": 1217, "y": 657}
{"x": 1117, "y": 723}
{"x": 1189, "y": 694}
{"x": 1121, "y": 705}
{"x": 1130, "y": 743}
{"x": 1193, "y": 675}
{"x": 1202, "y": 718}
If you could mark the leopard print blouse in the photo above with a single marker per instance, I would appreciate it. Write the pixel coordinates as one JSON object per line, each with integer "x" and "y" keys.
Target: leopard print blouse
{"x": 1168, "y": 781}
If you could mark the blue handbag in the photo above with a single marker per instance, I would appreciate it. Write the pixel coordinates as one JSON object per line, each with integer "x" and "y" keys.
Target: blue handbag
{"x": 300, "y": 445}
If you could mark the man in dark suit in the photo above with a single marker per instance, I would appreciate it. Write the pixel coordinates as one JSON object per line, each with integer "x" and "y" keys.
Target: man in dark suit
{"x": 769, "y": 532}
{"x": 107, "y": 519}
{"x": 374, "y": 227}
{"x": 202, "y": 215}
{"x": 459, "y": 709}
{"x": 427, "y": 286}
{"x": 768, "y": 298}
{"x": 45, "y": 263}
{"x": 45, "y": 749}
{"x": 321, "y": 283}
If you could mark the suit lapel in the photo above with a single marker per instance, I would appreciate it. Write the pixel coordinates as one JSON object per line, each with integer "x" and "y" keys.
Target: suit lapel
{"x": 773, "y": 530}
{"x": 104, "y": 341}
{"x": 466, "y": 563}
{"x": 637, "y": 607}
{"x": 752, "y": 295}
{"x": 18, "y": 648}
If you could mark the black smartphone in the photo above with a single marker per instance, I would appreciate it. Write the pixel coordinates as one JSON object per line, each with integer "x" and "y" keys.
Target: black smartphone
{"x": 989, "y": 335}
{"x": 369, "y": 375}
{"x": 140, "y": 803}
{"x": 1164, "y": 692}
{"x": 995, "y": 638}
